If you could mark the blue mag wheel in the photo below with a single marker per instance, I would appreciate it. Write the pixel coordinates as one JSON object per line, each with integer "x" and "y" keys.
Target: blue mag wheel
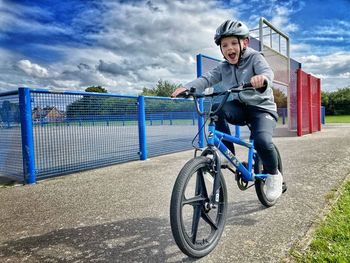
{"x": 196, "y": 224}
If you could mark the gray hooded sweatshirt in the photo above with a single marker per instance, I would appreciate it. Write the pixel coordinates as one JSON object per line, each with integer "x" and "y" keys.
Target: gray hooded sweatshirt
{"x": 252, "y": 63}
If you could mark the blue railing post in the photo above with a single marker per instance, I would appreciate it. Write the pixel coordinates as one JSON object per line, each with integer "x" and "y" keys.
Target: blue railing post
{"x": 201, "y": 105}
{"x": 200, "y": 124}
{"x": 323, "y": 115}
{"x": 27, "y": 135}
{"x": 284, "y": 116}
{"x": 142, "y": 127}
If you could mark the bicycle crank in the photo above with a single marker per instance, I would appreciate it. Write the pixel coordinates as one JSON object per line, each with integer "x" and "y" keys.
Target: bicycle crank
{"x": 241, "y": 183}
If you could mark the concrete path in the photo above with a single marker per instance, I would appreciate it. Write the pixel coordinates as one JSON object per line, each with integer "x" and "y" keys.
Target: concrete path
{"x": 121, "y": 213}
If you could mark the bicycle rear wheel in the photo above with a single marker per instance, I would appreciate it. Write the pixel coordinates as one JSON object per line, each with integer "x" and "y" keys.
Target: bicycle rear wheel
{"x": 260, "y": 183}
{"x": 197, "y": 226}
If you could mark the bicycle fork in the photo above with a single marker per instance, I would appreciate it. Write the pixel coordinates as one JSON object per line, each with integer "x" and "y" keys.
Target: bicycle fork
{"x": 214, "y": 168}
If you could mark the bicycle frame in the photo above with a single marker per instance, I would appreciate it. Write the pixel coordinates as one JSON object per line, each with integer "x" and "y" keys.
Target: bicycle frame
{"x": 215, "y": 138}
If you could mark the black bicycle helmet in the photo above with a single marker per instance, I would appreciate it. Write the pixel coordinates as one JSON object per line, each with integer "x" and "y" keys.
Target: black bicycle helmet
{"x": 231, "y": 28}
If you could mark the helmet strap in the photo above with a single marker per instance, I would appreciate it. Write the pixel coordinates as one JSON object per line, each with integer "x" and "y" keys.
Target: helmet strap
{"x": 241, "y": 51}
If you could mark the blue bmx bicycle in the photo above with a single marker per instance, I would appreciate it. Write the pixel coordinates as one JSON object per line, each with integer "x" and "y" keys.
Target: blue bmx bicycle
{"x": 199, "y": 198}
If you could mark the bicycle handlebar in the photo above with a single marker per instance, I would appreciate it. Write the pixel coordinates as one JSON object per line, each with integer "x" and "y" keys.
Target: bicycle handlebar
{"x": 235, "y": 89}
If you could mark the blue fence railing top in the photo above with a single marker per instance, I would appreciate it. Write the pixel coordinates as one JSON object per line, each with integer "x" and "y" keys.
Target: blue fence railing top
{"x": 9, "y": 93}
{"x": 166, "y": 98}
{"x": 211, "y": 58}
{"x": 83, "y": 93}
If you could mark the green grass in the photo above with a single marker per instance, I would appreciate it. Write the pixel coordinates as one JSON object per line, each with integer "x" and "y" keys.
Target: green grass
{"x": 331, "y": 241}
{"x": 338, "y": 119}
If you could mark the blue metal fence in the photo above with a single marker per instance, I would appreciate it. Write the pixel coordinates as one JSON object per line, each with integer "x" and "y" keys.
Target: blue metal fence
{"x": 171, "y": 125}
{"x": 75, "y": 131}
{"x": 11, "y": 162}
{"x": 62, "y": 132}
{"x": 45, "y": 133}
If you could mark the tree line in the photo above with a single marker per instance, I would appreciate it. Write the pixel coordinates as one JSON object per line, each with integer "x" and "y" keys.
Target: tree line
{"x": 107, "y": 106}
{"x": 90, "y": 105}
{"x": 336, "y": 102}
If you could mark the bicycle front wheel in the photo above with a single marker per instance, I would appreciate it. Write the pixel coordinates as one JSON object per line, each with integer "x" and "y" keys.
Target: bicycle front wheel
{"x": 196, "y": 225}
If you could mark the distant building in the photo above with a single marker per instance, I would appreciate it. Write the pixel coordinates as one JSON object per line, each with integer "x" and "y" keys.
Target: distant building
{"x": 47, "y": 114}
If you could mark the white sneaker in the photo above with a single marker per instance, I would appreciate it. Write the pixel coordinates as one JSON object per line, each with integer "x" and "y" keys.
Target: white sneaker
{"x": 274, "y": 186}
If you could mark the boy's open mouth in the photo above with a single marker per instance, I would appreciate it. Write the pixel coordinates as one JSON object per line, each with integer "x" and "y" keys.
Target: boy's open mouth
{"x": 232, "y": 56}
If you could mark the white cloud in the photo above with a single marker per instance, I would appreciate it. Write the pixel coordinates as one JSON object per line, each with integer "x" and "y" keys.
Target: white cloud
{"x": 346, "y": 75}
{"x": 281, "y": 20}
{"x": 311, "y": 59}
{"x": 332, "y": 28}
{"x": 21, "y": 17}
{"x": 32, "y": 69}
{"x": 136, "y": 43}
{"x": 66, "y": 84}
{"x": 141, "y": 43}
{"x": 332, "y": 84}
{"x": 277, "y": 12}
{"x": 332, "y": 69}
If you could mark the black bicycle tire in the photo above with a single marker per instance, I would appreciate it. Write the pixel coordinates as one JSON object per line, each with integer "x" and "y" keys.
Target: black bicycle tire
{"x": 177, "y": 227}
{"x": 259, "y": 183}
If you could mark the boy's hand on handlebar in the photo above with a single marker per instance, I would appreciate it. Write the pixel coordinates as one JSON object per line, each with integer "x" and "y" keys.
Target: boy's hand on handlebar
{"x": 258, "y": 81}
{"x": 178, "y": 91}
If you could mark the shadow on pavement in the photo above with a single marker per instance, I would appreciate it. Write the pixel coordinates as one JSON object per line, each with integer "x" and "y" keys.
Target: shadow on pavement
{"x": 134, "y": 240}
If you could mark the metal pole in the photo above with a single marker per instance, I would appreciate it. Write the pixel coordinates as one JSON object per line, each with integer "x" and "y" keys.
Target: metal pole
{"x": 25, "y": 107}
{"x": 201, "y": 105}
{"x": 270, "y": 37}
{"x": 261, "y": 34}
{"x": 142, "y": 127}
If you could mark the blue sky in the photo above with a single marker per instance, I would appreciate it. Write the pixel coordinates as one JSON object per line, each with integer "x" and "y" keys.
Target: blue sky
{"x": 127, "y": 45}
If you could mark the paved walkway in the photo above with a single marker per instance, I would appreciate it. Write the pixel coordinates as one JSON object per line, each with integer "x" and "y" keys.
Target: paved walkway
{"x": 121, "y": 213}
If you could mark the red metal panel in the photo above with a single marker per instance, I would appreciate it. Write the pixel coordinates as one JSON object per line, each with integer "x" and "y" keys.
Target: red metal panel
{"x": 319, "y": 103}
{"x": 310, "y": 89}
{"x": 306, "y": 104}
{"x": 300, "y": 104}
{"x": 309, "y": 103}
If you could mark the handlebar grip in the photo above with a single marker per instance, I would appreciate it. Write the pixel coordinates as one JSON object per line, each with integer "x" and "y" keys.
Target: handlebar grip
{"x": 249, "y": 85}
{"x": 265, "y": 84}
{"x": 183, "y": 94}
{"x": 187, "y": 93}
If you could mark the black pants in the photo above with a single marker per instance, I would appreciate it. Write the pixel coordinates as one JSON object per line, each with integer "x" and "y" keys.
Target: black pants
{"x": 261, "y": 125}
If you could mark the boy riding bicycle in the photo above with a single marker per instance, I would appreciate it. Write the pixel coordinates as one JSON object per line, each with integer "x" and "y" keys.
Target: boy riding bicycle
{"x": 257, "y": 108}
